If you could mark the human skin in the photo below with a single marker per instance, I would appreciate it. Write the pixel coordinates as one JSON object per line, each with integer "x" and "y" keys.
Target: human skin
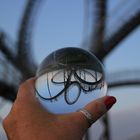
{"x": 29, "y": 120}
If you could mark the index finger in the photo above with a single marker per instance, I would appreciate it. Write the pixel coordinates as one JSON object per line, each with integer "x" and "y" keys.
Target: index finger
{"x": 27, "y": 90}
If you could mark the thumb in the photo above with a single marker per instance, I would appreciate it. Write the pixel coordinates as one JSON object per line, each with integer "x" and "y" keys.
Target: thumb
{"x": 95, "y": 109}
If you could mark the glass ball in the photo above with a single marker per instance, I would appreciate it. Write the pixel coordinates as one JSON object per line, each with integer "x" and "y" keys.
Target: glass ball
{"x": 68, "y": 79}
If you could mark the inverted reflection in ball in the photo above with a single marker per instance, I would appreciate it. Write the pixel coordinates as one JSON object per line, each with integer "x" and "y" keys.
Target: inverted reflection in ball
{"x": 68, "y": 79}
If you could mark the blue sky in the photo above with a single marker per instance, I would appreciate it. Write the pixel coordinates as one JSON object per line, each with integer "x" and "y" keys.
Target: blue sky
{"x": 60, "y": 24}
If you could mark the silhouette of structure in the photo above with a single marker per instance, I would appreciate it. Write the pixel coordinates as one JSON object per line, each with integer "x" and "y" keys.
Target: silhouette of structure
{"x": 16, "y": 63}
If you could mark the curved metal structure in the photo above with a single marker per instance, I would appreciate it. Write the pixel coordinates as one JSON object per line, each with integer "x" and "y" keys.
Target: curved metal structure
{"x": 124, "y": 78}
{"x": 24, "y": 45}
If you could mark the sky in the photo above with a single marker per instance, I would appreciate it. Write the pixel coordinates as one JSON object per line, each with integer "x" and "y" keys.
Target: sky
{"x": 60, "y": 24}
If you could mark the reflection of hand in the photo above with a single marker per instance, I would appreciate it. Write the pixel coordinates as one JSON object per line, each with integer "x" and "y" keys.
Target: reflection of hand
{"x": 28, "y": 120}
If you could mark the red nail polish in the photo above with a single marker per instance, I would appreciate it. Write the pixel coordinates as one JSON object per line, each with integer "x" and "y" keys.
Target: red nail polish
{"x": 109, "y": 102}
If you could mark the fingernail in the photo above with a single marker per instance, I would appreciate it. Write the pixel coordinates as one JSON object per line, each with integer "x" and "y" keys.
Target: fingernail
{"x": 109, "y": 102}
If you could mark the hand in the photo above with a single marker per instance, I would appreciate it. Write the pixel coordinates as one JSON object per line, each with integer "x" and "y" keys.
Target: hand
{"x": 29, "y": 120}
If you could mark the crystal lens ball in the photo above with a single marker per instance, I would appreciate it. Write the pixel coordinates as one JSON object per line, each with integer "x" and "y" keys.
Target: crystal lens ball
{"x": 68, "y": 79}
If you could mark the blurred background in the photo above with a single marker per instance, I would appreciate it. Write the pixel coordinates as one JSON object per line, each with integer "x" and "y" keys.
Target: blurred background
{"x": 31, "y": 29}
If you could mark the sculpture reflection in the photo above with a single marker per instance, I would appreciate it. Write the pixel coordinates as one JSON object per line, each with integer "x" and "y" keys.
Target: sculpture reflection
{"x": 69, "y": 73}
